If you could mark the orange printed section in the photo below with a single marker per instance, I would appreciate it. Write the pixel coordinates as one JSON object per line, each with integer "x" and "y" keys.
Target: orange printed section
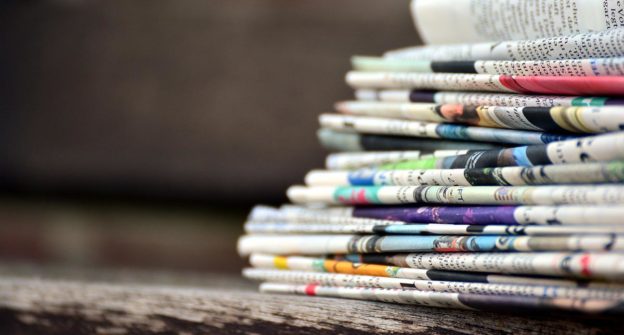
{"x": 356, "y": 268}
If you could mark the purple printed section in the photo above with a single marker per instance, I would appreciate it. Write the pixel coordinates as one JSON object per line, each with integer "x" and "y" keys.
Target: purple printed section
{"x": 614, "y": 102}
{"x": 422, "y": 96}
{"x": 479, "y": 215}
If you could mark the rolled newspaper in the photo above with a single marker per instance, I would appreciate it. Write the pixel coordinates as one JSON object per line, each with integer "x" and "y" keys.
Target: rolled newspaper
{"x": 448, "y": 300}
{"x": 571, "y": 119}
{"x": 344, "y": 244}
{"x": 478, "y": 195}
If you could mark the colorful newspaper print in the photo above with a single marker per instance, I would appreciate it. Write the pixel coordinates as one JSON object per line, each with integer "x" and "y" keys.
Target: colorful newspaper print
{"x": 564, "y": 67}
{"x": 448, "y": 300}
{"x": 564, "y": 85}
{"x": 385, "y": 126}
{"x": 579, "y": 173}
{"x": 343, "y": 244}
{"x": 485, "y": 99}
{"x": 508, "y": 215}
{"x": 425, "y": 229}
{"x": 312, "y": 264}
{"x": 346, "y": 280}
{"x": 354, "y": 142}
{"x": 599, "y": 148}
{"x": 478, "y": 195}
{"x": 604, "y": 44}
{"x": 460, "y": 110}
{"x": 353, "y": 160}
{"x": 470, "y": 215}
{"x": 555, "y": 119}
{"x": 590, "y": 265}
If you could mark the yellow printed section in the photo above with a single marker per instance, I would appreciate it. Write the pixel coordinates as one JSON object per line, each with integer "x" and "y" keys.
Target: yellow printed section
{"x": 577, "y": 119}
{"x": 571, "y": 118}
{"x": 485, "y": 119}
{"x": 280, "y": 262}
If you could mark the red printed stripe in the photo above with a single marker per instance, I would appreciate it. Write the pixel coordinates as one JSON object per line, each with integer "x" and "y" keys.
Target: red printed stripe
{"x": 609, "y": 85}
{"x": 310, "y": 289}
{"x": 510, "y": 83}
{"x": 585, "y": 261}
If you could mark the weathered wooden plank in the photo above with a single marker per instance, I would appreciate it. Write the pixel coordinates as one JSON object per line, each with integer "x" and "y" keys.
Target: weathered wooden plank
{"x": 232, "y": 306}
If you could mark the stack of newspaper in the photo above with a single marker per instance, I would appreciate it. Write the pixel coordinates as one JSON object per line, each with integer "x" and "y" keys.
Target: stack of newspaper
{"x": 459, "y": 183}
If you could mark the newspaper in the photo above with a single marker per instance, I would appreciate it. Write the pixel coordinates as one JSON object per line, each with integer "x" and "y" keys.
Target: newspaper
{"x": 456, "y": 21}
{"x": 557, "y": 119}
{"x": 603, "y": 44}
{"x": 314, "y": 264}
{"x": 354, "y": 142}
{"x": 448, "y": 300}
{"x": 563, "y": 67}
{"x": 574, "y": 173}
{"x": 385, "y": 126}
{"x": 252, "y": 227}
{"x": 347, "y": 280}
{"x": 598, "y": 148}
{"x": 486, "y": 98}
{"x": 477, "y": 195}
{"x": 591, "y": 265}
{"x": 565, "y": 85}
{"x": 348, "y": 243}
{"x": 353, "y": 160}
{"x": 472, "y": 215}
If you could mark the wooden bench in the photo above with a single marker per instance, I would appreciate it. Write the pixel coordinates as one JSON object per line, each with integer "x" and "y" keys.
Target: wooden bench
{"x": 47, "y": 300}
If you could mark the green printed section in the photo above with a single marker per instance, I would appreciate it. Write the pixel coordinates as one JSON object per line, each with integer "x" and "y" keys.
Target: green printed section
{"x": 357, "y": 195}
{"x": 418, "y": 164}
{"x": 392, "y": 271}
{"x": 364, "y": 63}
{"x": 319, "y": 265}
{"x": 589, "y": 102}
{"x": 615, "y": 171}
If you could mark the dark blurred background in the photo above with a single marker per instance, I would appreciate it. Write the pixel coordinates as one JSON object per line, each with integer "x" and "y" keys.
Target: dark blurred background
{"x": 139, "y": 133}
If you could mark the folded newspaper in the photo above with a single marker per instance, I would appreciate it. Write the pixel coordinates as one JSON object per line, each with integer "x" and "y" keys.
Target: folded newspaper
{"x": 483, "y": 170}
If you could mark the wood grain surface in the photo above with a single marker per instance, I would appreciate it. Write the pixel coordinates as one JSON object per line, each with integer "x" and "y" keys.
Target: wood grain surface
{"x": 133, "y": 303}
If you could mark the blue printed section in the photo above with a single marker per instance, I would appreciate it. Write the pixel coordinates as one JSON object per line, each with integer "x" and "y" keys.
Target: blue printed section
{"x": 382, "y": 178}
{"x": 405, "y": 229}
{"x": 482, "y": 243}
{"x": 458, "y": 132}
{"x": 547, "y": 138}
{"x": 520, "y": 156}
{"x": 362, "y": 177}
{"x": 505, "y": 135}
{"x": 354, "y": 258}
{"x": 356, "y": 195}
{"x": 452, "y": 131}
{"x": 447, "y": 162}
{"x": 505, "y": 243}
{"x": 440, "y": 243}
{"x": 408, "y": 243}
